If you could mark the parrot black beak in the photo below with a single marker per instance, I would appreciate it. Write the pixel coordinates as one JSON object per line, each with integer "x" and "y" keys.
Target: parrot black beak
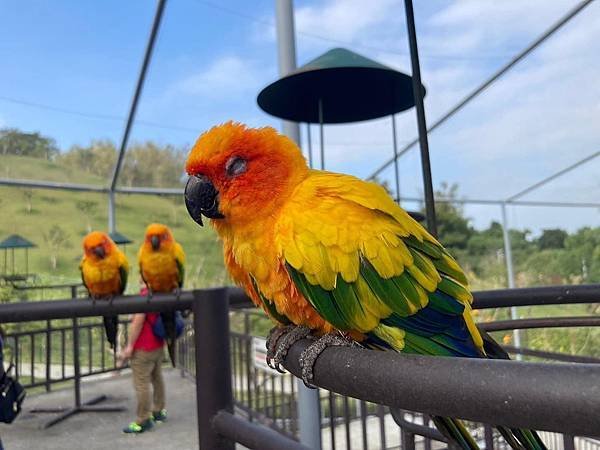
{"x": 201, "y": 198}
{"x": 155, "y": 241}
{"x": 99, "y": 251}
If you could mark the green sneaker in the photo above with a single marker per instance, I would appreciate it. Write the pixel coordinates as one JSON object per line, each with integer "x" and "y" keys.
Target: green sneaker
{"x": 136, "y": 428}
{"x": 160, "y": 416}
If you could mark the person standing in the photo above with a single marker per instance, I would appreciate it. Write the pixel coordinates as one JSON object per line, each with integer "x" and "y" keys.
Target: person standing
{"x": 145, "y": 353}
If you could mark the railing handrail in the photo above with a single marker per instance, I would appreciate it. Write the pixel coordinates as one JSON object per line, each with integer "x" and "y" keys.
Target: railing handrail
{"x": 517, "y": 394}
{"x": 86, "y": 307}
{"x": 536, "y": 296}
{"x": 69, "y": 308}
{"x": 502, "y": 298}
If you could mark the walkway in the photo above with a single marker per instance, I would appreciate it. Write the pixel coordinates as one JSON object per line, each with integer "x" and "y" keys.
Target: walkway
{"x": 95, "y": 431}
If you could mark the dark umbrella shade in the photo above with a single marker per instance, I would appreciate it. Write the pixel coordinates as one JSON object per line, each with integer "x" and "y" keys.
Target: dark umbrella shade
{"x": 351, "y": 88}
{"x": 16, "y": 241}
{"x": 119, "y": 238}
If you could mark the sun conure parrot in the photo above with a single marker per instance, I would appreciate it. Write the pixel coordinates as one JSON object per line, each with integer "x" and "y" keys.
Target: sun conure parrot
{"x": 162, "y": 267}
{"x": 104, "y": 269}
{"x": 333, "y": 254}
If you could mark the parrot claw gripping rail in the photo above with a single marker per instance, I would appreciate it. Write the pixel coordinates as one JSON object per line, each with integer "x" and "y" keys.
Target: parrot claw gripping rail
{"x": 555, "y": 397}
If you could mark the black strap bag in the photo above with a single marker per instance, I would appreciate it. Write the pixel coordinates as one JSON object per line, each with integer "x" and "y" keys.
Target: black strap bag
{"x": 12, "y": 395}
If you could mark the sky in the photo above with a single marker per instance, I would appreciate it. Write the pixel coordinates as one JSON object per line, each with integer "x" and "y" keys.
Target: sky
{"x": 69, "y": 70}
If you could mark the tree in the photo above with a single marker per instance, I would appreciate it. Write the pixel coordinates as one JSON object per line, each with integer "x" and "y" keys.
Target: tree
{"x": 88, "y": 209}
{"x": 453, "y": 227}
{"x": 16, "y": 142}
{"x": 552, "y": 238}
{"x": 98, "y": 158}
{"x": 56, "y": 239}
{"x": 28, "y": 194}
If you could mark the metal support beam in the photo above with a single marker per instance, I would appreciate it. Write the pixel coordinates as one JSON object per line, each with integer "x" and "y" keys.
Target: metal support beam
{"x": 160, "y": 6}
{"x": 286, "y": 52}
{"x": 510, "y": 273}
{"x": 111, "y": 212}
{"x": 482, "y": 87}
{"x": 560, "y": 173}
{"x": 213, "y": 365}
{"x": 396, "y": 163}
{"x": 308, "y": 399}
{"x": 421, "y": 122}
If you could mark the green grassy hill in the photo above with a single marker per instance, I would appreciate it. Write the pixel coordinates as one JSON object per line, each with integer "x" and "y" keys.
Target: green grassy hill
{"x": 60, "y": 208}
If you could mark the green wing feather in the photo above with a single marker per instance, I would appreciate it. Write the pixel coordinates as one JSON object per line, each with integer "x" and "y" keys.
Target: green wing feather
{"x": 269, "y": 305}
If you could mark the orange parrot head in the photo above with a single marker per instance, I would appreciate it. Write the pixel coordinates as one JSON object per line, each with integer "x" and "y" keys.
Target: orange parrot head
{"x": 158, "y": 236}
{"x": 237, "y": 173}
{"x": 98, "y": 245}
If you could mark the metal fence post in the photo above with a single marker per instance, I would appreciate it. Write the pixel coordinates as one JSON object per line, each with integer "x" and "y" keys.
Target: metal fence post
{"x": 408, "y": 440}
{"x": 568, "y": 442}
{"x": 76, "y": 367}
{"x": 488, "y": 434}
{"x": 510, "y": 274}
{"x": 213, "y": 365}
{"x": 48, "y": 353}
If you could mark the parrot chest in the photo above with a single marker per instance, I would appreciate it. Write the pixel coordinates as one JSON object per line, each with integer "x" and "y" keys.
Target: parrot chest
{"x": 102, "y": 277}
{"x": 160, "y": 271}
{"x": 261, "y": 262}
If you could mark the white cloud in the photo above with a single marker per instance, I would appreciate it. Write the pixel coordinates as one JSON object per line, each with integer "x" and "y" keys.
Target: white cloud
{"x": 343, "y": 19}
{"x": 228, "y": 75}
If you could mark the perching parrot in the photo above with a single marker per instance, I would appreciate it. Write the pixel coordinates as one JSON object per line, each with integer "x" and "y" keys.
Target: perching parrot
{"x": 162, "y": 267}
{"x": 332, "y": 254}
{"x": 104, "y": 269}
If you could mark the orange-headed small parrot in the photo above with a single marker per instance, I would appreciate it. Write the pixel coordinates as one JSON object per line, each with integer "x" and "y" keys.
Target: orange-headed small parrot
{"x": 104, "y": 269}
{"x": 334, "y": 255}
{"x": 162, "y": 267}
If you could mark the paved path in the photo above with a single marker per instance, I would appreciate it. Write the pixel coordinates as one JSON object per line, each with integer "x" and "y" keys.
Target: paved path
{"x": 95, "y": 431}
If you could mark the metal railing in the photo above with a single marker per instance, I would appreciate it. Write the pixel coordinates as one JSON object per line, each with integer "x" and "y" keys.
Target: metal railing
{"x": 554, "y": 397}
{"x": 46, "y": 356}
{"x": 270, "y": 398}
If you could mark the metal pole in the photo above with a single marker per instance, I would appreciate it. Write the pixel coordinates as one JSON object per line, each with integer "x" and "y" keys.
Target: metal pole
{"x": 76, "y": 367}
{"x": 160, "y": 6}
{"x": 322, "y": 144}
{"x": 213, "y": 365}
{"x": 308, "y": 399}
{"x": 553, "y": 176}
{"x": 286, "y": 52}
{"x": 111, "y": 212}
{"x": 396, "y": 168}
{"x": 309, "y": 139}
{"x": 510, "y": 274}
{"x": 48, "y": 354}
{"x": 422, "y": 125}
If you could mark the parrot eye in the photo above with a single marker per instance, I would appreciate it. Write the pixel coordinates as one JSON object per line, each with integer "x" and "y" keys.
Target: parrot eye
{"x": 235, "y": 166}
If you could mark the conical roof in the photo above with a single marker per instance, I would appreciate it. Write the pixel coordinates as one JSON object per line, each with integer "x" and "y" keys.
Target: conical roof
{"x": 119, "y": 238}
{"x": 16, "y": 241}
{"x": 350, "y": 86}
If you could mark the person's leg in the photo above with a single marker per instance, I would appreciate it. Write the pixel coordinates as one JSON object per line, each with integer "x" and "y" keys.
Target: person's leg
{"x": 141, "y": 369}
{"x": 158, "y": 383}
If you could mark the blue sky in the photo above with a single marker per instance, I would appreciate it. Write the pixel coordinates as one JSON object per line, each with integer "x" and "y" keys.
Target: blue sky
{"x": 212, "y": 58}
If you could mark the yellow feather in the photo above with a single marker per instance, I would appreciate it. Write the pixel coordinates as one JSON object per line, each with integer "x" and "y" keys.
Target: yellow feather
{"x": 393, "y": 336}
